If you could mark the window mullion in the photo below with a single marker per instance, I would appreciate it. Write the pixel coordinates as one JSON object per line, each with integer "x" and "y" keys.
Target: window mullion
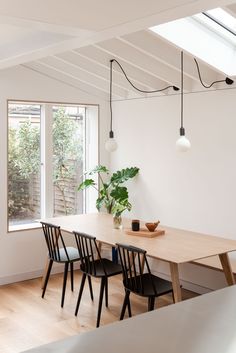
{"x": 46, "y": 161}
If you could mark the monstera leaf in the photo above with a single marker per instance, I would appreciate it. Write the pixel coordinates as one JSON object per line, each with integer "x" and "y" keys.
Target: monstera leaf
{"x": 120, "y": 193}
{"x": 118, "y": 208}
{"x": 86, "y": 183}
{"x": 99, "y": 169}
{"x": 99, "y": 202}
{"x": 123, "y": 175}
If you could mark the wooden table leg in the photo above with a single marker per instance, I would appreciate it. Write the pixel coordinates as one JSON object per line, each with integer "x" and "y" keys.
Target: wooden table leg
{"x": 45, "y": 272}
{"x": 174, "y": 271}
{"x": 224, "y": 259}
{"x": 99, "y": 248}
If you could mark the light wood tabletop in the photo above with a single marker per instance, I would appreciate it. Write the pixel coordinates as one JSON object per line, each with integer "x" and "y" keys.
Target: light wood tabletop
{"x": 205, "y": 324}
{"x": 176, "y": 246}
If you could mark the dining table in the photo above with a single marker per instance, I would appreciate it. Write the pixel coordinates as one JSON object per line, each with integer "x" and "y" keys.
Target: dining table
{"x": 175, "y": 246}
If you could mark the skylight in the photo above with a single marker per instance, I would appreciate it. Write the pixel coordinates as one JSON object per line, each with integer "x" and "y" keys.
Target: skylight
{"x": 219, "y": 21}
{"x": 223, "y": 18}
{"x": 210, "y": 36}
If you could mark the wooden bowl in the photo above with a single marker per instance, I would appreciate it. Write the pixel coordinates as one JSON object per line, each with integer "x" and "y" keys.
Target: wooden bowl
{"x": 152, "y": 226}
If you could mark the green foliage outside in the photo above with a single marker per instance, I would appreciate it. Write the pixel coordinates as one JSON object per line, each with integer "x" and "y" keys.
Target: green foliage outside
{"x": 24, "y": 159}
{"x": 23, "y": 163}
{"x": 113, "y": 196}
{"x": 67, "y": 147}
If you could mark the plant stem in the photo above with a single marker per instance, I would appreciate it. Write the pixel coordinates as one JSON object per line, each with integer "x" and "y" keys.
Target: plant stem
{"x": 100, "y": 177}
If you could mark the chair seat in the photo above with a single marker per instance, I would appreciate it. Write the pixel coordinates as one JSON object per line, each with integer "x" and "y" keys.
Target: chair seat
{"x": 97, "y": 268}
{"x": 72, "y": 252}
{"x": 148, "y": 280}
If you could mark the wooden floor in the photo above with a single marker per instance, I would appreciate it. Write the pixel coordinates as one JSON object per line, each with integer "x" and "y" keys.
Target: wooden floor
{"x": 27, "y": 320}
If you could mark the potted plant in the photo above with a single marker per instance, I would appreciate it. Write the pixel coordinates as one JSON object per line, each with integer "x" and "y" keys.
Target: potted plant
{"x": 111, "y": 195}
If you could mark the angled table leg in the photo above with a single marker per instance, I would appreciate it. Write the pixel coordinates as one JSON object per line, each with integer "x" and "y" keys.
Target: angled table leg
{"x": 99, "y": 244}
{"x": 142, "y": 263}
{"x": 224, "y": 259}
{"x": 174, "y": 271}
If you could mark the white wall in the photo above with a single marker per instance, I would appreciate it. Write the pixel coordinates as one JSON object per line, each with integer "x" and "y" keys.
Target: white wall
{"x": 194, "y": 190}
{"x": 22, "y": 254}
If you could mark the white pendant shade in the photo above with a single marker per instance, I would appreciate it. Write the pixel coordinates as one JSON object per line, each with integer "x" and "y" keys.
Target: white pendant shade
{"x": 111, "y": 145}
{"x": 183, "y": 144}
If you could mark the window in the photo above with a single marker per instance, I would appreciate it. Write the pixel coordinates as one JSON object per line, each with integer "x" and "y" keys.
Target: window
{"x": 210, "y": 36}
{"x": 68, "y": 133}
{"x": 220, "y": 22}
{"x": 49, "y": 148}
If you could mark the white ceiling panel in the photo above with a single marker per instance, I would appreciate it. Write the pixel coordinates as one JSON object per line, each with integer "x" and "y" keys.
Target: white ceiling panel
{"x": 73, "y": 42}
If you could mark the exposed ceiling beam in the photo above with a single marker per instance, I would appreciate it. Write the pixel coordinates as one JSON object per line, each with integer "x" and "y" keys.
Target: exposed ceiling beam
{"x": 73, "y": 58}
{"x": 182, "y": 10}
{"x": 67, "y": 79}
{"x": 153, "y": 45}
{"x": 144, "y": 62}
{"x": 82, "y": 75}
{"x": 44, "y": 27}
{"x": 38, "y": 71}
{"x": 137, "y": 75}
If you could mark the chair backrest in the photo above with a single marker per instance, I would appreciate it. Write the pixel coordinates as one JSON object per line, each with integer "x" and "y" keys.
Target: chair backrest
{"x": 54, "y": 241}
{"x": 132, "y": 261}
{"x": 89, "y": 253}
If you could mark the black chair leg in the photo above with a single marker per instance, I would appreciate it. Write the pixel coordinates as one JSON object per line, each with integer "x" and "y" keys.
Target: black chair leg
{"x": 47, "y": 277}
{"x": 80, "y": 293}
{"x": 173, "y": 297}
{"x": 129, "y": 307}
{"x": 90, "y": 287}
{"x": 103, "y": 283}
{"x": 125, "y": 303}
{"x": 106, "y": 292}
{"x": 151, "y": 303}
{"x": 64, "y": 284}
{"x": 72, "y": 276}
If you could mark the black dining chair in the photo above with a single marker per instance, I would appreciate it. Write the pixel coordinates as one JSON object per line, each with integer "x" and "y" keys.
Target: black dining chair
{"x": 146, "y": 284}
{"x": 60, "y": 253}
{"x": 93, "y": 265}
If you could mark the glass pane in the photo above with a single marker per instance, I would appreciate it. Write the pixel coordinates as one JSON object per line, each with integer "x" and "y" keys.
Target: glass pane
{"x": 23, "y": 163}
{"x": 207, "y": 20}
{"x": 68, "y": 158}
{"x": 224, "y": 18}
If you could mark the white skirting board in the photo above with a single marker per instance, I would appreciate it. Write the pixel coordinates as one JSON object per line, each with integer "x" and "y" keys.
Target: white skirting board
{"x": 212, "y": 279}
{"x": 59, "y": 269}
{"x": 31, "y": 275}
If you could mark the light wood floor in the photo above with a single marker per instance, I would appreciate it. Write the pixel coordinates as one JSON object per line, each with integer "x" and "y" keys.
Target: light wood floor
{"x": 27, "y": 320}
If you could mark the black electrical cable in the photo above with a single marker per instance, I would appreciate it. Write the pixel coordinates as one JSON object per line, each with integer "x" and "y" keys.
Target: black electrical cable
{"x": 138, "y": 89}
{"x": 111, "y": 132}
{"x": 182, "y": 91}
{"x": 227, "y": 80}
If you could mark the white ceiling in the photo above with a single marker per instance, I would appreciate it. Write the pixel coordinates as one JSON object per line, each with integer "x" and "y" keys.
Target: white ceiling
{"x": 90, "y": 15}
{"x": 73, "y": 41}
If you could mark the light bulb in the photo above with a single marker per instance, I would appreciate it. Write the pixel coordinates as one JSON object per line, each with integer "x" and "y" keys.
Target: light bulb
{"x": 111, "y": 145}
{"x": 183, "y": 144}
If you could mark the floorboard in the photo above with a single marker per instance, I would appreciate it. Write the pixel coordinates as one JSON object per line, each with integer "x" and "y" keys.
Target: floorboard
{"x": 27, "y": 320}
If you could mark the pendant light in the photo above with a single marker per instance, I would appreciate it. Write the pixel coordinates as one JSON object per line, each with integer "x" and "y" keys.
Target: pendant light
{"x": 182, "y": 144}
{"x": 111, "y": 144}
